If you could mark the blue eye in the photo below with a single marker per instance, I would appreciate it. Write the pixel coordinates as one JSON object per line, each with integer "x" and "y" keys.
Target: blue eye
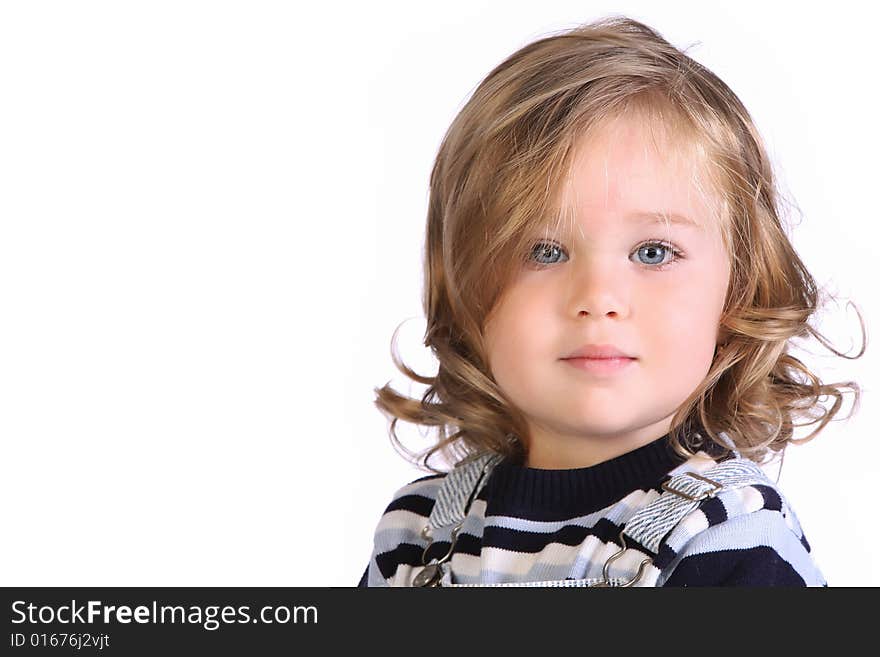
{"x": 655, "y": 251}
{"x": 545, "y": 249}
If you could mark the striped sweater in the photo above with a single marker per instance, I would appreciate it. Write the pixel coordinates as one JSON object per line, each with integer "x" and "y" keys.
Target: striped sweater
{"x": 560, "y": 527}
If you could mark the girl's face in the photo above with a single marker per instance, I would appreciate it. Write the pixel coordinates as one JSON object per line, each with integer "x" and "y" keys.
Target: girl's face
{"x": 605, "y": 280}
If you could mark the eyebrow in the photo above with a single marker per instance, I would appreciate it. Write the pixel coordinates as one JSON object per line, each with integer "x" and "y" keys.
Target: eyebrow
{"x": 661, "y": 217}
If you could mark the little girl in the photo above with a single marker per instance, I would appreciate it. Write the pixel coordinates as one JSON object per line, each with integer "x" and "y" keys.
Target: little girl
{"x": 610, "y": 295}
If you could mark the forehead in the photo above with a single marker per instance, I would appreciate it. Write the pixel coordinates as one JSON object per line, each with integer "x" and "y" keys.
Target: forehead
{"x": 627, "y": 170}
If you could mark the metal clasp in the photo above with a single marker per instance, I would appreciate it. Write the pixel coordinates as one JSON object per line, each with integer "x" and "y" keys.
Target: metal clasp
{"x": 431, "y": 573}
{"x": 694, "y": 498}
{"x": 607, "y": 581}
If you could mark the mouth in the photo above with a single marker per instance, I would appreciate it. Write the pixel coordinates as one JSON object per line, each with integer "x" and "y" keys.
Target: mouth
{"x": 611, "y": 365}
{"x": 598, "y": 352}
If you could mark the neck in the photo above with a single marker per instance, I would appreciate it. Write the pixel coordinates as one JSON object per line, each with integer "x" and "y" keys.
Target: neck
{"x": 553, "y": 450}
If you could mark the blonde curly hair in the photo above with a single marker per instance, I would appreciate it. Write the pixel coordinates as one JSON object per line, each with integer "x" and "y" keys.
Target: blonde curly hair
{"x": 498, "y": 175}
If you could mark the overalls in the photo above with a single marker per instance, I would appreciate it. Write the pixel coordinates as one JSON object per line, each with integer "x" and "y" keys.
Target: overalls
{"x": 648, "y": 526}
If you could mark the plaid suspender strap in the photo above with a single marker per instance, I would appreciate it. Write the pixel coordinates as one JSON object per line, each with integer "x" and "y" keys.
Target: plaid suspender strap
{"x": 683, "y": 493}
{"x": 459, "y": 488}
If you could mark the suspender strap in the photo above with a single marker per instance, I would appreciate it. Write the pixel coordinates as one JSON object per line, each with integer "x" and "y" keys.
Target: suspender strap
{"x": 684, "y": 492}
{"x": 460, "y": 487}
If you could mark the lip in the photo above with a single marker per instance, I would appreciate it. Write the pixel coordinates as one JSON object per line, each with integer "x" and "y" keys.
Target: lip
{"x": 600, "y": 359}
{"x": 601, "y": 365}
{"x": 597, "y": 351}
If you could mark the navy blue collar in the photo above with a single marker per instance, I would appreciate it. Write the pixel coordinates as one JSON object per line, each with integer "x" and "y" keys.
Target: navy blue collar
{"x": 539, "y": 494}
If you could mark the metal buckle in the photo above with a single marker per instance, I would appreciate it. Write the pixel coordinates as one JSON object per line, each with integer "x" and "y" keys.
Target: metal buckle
{"x": 694, "y": 498}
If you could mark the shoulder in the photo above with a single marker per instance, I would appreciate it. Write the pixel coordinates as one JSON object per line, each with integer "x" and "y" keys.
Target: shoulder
{"x": 410, "y": 505}
{"x": 747, "y": 536}
{"x": 397, "y": 538}
{"x": 417, "y": 496}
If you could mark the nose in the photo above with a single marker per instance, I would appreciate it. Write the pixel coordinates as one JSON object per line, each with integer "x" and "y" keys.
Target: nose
{"x": 598, "y": 289}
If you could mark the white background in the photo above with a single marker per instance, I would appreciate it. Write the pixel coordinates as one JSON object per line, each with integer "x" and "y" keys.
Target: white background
{"x": 212, "y": 219}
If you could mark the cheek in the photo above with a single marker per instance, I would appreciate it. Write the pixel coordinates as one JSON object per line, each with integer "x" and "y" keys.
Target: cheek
{"x": 684, "y": 323}
{"x": 516, "y": 320}
{"x": 512, "y": 336}
{"x": 497, "y": 336}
